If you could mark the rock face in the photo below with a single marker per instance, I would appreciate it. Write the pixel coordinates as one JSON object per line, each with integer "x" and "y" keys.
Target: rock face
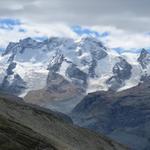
{"x": 144, "y": 58}
{"x": 124, "y": 116}
{"x": 122, "y": 71}
{"x": 75, "y": 73}
{"x": 58, "y": 95}
{"x": 12, "y": 82}
{"x": 97, "y": 52}
{"x": 28, "y": 127}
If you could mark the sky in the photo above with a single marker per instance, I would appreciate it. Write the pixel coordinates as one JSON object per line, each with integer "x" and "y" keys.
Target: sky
{"x": 120, "y": 24}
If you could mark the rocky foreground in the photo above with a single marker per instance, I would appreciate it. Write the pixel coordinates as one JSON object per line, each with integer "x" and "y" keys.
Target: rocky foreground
{"x": 28, "y": 127}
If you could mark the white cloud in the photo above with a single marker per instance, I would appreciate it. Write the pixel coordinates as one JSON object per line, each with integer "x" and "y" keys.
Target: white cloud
{"x": 123, "y": 39}
{"x": 34, "y": 30}
{"x": 58, "y": 29}
{"x": 117, "y": 38}
{"x": 132, "y": 15}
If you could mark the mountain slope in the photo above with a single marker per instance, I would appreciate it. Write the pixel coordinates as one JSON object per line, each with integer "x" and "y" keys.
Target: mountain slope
{"x": 24, "y": 126}
{"x": 124, "y": 116}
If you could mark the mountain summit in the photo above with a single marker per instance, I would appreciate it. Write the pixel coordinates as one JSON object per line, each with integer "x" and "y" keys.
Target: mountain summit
{"x": 63, "y": 68}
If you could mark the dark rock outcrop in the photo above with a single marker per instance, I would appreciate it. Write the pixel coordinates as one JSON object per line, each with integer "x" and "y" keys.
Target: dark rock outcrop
{"x": 78, "y": 76}
{"x": 15, "y": 87}
{"x": 124, "y": 116}
{"x": 12, "y": 82}
{"x": 122, "y": 71}
{"x": 144, "y": 58}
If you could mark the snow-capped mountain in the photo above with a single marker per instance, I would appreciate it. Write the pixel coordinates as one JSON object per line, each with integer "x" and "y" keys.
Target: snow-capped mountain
{"x": 82, "y": 65}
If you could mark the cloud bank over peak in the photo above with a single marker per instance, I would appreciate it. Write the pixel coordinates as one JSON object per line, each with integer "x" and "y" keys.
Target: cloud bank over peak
{"x": 15, "y": 32}
{"x": 120, "y": 24}
{"x": 133, "y": 15}
{"x": 112, "y": 37}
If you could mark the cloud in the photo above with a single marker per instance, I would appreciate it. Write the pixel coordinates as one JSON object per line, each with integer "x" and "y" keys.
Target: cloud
{"x": 118, "y": 39}
{"x": 8, "y": 24}
{"x": 132, "y": 15}
{"x": 12, "y": 30}
{"x": 113, "y": 37}
{"x": 123, "y": 39}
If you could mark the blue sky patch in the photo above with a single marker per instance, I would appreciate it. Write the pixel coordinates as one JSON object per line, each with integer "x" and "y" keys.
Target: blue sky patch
{"x": 22, "y": 30}
{"x": 119, "y": 49}
{"x": 40, "y": 38}
{"x": 1, "y": 50}
{"x": 86, "y": 31}
{"x": 8, "y": 23}
{"x": 133, "y": 50}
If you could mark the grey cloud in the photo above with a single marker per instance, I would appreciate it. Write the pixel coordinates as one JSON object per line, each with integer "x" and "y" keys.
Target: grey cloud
{"x": 133, "y": 15}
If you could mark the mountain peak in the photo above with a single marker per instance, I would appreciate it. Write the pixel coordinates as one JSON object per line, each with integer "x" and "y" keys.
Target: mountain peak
{"x": 144, "y": 51}
{"x": 92, "y": 40}
{"x": 144, "y": 58}
{"x": 27, "y": 40}
{"x": 94, "y": 63}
